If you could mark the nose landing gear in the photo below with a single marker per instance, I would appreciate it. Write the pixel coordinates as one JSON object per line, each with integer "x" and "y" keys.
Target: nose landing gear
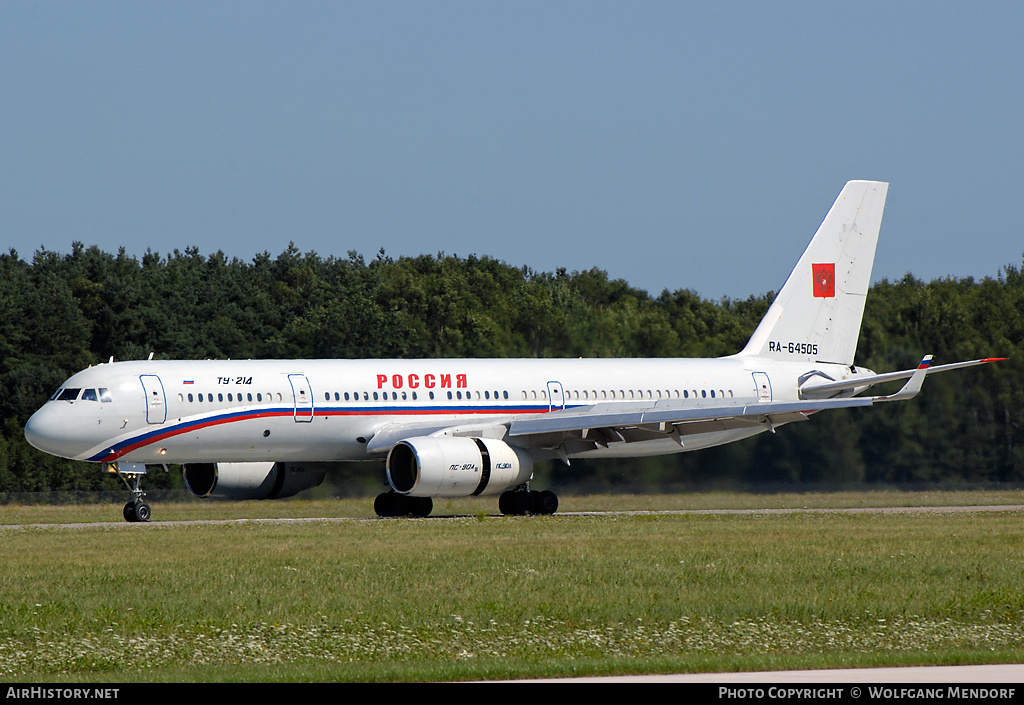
{"x": 136, "y": 509}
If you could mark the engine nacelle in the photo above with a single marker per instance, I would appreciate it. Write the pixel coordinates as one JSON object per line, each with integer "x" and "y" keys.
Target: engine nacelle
{"x": 251, "y": 480}
{"x": 456, "y": 467}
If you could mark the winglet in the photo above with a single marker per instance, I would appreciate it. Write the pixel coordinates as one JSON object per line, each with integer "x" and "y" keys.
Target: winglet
{"x": 913, "y": 385}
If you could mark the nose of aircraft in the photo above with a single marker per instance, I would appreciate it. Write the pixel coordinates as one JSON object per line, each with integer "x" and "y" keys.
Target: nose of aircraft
{"x": 47, "y": 431}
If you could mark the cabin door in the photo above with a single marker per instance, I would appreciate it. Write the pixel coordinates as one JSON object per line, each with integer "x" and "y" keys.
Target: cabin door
{"x": 556, "y": 396}
{"x": 156, "y": 408}
{"x": 763, "y": 385}
{"x": 303, "y": 396}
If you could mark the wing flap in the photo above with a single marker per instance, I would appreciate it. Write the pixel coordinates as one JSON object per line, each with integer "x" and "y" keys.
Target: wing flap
{"x": 742, "y": 414}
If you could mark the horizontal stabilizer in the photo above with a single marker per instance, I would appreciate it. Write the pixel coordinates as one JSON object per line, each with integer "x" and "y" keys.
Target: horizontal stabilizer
{"x": 820, "y": 391}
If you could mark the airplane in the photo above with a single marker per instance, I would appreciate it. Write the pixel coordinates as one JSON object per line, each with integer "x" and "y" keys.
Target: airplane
{"x": 266, "y": 429}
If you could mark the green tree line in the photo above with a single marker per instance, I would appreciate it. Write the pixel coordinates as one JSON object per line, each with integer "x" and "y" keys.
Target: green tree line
{"x": 63, "y": 312}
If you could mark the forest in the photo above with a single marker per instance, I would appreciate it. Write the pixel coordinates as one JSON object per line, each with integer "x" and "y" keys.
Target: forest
{"x": 63, "y": 312}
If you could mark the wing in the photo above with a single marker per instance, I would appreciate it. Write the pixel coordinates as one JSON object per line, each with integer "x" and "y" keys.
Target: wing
{"x": 597, "y": 425}
{"x": 603, "y": 423}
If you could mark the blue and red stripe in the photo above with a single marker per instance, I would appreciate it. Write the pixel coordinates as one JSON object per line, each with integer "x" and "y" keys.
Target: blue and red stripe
{"x": 161, "y": 433}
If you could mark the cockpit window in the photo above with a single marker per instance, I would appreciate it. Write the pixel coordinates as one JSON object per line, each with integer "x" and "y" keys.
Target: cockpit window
{"x": 71, "y": 394}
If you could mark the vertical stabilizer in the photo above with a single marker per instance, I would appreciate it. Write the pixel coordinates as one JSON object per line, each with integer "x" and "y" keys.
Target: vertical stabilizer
{"x": 816, "y": 316}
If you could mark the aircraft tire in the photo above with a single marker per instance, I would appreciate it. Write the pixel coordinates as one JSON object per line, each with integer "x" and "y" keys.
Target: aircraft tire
{"x": 136, "y": 511}
{"x": 420, "y": 506}
{"x": 515, "y": 503}
{"x": 386, "y": 504}
{"x": 545, "y": 502}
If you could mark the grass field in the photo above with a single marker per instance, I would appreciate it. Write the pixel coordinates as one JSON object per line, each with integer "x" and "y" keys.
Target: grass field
{"x": 473, "y": 595}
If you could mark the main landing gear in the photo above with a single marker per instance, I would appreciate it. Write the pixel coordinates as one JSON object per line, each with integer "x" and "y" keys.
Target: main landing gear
{"x": 522, "y": 501}
{"x": 131, "y": 475}
{"x": 392, "y": 504}
{"x": 518, "y": 502}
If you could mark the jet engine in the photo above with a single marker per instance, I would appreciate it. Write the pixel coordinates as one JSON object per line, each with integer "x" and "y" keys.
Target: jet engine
{"x": 251, "y": 480}
{"x": 456, "y": 467}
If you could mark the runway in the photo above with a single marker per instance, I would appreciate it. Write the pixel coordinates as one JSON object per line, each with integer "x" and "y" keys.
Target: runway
{"x": 986, "y": 674}
{"x": 660, "y": 512}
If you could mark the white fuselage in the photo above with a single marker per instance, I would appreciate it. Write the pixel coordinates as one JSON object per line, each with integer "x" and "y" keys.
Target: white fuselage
{"x": 160, "y": 412}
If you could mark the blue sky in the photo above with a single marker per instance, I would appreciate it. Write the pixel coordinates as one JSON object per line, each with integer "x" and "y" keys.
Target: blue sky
{"x": 672, "y": 144}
